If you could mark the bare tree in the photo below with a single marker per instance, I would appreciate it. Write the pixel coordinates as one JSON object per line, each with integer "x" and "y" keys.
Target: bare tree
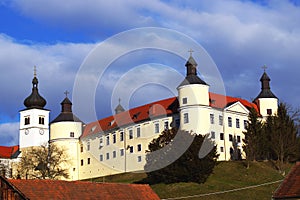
{"x": 44, "y": 162}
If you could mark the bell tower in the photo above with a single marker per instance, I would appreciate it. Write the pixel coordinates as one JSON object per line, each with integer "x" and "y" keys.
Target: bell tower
{"x": 34, "y": 119}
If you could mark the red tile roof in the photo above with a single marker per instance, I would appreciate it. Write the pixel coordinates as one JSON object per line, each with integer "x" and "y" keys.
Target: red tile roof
{"x": 290, "y": 187}
{"x": 55, "y": 189}
{"x": 155, "y": 109}
{"x": 8, "y": 152}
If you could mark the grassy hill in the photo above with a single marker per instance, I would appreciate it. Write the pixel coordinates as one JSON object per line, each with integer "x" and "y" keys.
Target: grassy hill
{"x": 226, "y": 176}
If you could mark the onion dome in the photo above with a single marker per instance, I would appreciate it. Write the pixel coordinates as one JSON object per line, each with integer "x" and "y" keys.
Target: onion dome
{"x": 191, "y": 73}
{"x": 35, "y": 100}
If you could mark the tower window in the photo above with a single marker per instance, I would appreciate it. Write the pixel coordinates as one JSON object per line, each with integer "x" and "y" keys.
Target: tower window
{"x": 269, "y": 111}
{"x": 186, "y": 118}
{"x": 71, "y": 134}
{"x": 41, "y": 120}
{"x": 184, "y": 100}
{"x": 212, "y": 120}
{"x": 229, "y": 121}
{"x": 27, "y": 120}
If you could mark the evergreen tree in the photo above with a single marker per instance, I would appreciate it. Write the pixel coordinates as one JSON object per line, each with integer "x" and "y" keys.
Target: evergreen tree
{"x": 188, "y": 167}
{"x": 252, "y": 137}
{"x": 282, "y": 132}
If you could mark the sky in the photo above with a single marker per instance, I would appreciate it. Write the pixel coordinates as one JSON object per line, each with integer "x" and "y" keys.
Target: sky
{"x": 60, "y": 39}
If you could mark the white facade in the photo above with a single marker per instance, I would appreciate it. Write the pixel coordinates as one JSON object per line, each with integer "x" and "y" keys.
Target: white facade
{"x": 34, "y": 127}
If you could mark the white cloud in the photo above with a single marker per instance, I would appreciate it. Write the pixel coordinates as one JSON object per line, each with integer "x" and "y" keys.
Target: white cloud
{"x": 9, "y": 134}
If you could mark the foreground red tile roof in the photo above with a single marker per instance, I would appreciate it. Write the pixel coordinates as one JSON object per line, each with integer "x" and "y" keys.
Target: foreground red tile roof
{"x": 290, "y": 187}
{"x": 55, "y": 189}
{"x": 152, "y": 110}
{"x": 8, "y": 152}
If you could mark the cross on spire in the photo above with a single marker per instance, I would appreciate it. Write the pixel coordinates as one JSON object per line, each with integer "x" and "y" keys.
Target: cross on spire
{"x": 66, "y": 93}
{"x": 191, "y": 51}
{"x": 34, "y": 71}
{"x": 264, "y": 67}
{"x": 119, "y": 100}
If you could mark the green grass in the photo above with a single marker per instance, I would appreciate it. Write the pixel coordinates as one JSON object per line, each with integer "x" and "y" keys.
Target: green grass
{"x": 226, "y": 176}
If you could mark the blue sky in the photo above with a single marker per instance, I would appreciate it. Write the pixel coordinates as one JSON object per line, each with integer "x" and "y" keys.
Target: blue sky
{"x": 240, "y": 36}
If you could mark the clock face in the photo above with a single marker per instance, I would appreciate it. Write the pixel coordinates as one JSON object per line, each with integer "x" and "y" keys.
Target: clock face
{"x": 41, "y": 131}
{"x": 26, "y": 131}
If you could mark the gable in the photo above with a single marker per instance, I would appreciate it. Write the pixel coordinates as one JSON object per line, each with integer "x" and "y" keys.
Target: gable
{"x": 237, "y": 107}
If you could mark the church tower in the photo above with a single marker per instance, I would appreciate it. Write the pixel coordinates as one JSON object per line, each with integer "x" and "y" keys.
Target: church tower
{"x": 193, "y": 97}
{"x": 266, "y": 101}
{"x": 34, "y": 119}
{"x": 65, "y": 131}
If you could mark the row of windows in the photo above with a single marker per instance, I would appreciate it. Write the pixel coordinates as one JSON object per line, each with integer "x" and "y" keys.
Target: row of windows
{"x": 27, "y": 120}
{"x": 156, "y": 126}
{"x": 121, "y": 152}
{"x": 237, "y": 121}
{"x": 230, "y": 138}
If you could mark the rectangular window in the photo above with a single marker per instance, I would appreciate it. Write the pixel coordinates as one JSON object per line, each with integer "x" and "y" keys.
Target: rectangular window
{"x": 237, "y": 123}
{"x": 138, "y": 132}
{"x": 41, "y": 120}
{"x": 114, "y": 138}
{"x": 230, "y": 138}
{"x": 269, "y": 111}
{"x": 107, "y": 156}
{"x": 186, "y": 118}
{"x": 166, "y": 125}
{"x": 139, "y": 158}
{"x": 229, "y": 121}
{"x": 212, "y": 135}
{"x": 221, "y": 136}
{"x": 131, "y": 149}
{"x": 139, "y": 147}
{"x": 89, "y": 161}
{"x": 184, "y": 100}
{"x": 101, "y": 157}
{"x": 81, "y": 148}
{"x": 238, "y": 139}
{"x": 71, "y": 134}
{"x": 114, "y": 154}
{"x": 245, "y": 124}
{"x": 222, "y": 149}
{"x": 81, "y": 162}
{"x": 156, "y": 128}
{"x": 121, "y": 136}
{"x": 130, "y": 134}
{"x": 220, "y": 120}
{"x": 27, "y": 120}
{"x": 212, "y": 120}
{"x": 88, "y": 146}
{"x": 101, "y": 142}
{"x": 121, "y": 152}
{"x": 107, "y": 140}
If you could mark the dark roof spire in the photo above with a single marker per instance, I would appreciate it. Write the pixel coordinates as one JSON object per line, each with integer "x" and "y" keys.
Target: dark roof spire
{"x": 66, "y": 111}
{"x": 35, "y": 100}
{"x": 265, "y": 86}
{"x": 191, "y": 72}
{"x": 119, "y": 107}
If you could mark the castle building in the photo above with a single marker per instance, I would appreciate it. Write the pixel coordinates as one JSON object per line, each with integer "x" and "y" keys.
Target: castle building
{"x": 118, "y": 143}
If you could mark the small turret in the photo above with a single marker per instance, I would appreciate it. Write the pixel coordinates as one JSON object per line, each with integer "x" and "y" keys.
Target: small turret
{"x": 119, "y": 108}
